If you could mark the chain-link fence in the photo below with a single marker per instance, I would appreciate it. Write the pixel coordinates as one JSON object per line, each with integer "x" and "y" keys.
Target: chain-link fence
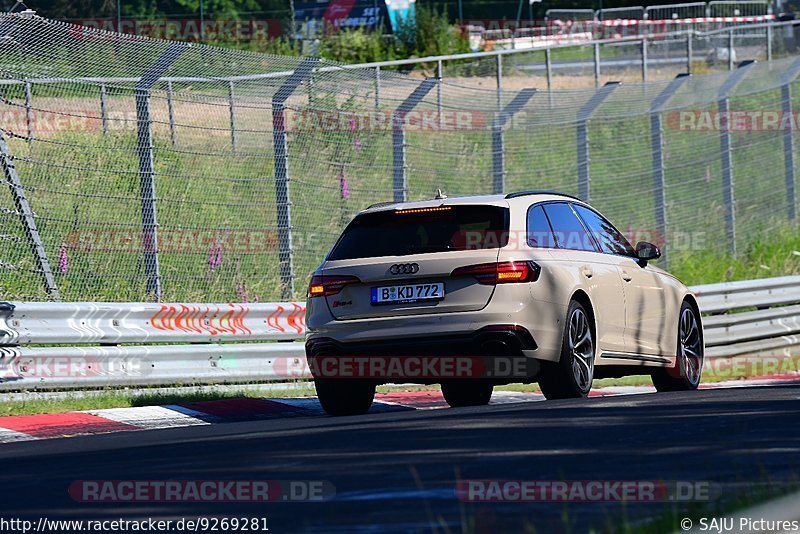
{"x": 137, "y": 169}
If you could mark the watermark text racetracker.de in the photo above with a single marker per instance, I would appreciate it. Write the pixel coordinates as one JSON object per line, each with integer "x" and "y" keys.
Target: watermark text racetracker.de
{"x": 415, "y": 367}
{"x": 198, "y": 491}
{"x": 585, "y": 490}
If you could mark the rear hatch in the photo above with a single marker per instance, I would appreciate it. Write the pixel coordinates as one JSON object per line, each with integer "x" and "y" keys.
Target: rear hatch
{"x": 406, "y": 261}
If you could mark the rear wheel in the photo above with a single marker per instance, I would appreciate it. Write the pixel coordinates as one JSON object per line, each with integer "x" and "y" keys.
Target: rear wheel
{"x": 467, "y": 392}
{"x": 345, "y": 397}
{"x": 571, "y": 377}
{"x": 685, "y": 374}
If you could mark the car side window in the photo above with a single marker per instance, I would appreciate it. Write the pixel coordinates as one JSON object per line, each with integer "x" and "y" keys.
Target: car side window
{"x": 610, "y": 239}
{"x": 568, "y": 229}
{"x": 540, "y": 235}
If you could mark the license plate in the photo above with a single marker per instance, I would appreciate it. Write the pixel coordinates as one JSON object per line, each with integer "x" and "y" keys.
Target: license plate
{"x": 407, "y": 293}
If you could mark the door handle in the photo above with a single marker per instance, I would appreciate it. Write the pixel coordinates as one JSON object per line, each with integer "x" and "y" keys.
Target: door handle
{"x": 587, "y": 272}
{"x": 626, "y": 276}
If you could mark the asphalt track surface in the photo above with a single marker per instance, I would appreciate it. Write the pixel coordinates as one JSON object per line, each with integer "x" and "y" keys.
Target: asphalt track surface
{"x": 395, "y": 472}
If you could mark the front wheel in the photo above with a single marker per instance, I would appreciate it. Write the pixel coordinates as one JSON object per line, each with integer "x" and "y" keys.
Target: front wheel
{"x": 571, "y": 377}
{"x": 685, "y": 374}
{"x": 345, "y": 397}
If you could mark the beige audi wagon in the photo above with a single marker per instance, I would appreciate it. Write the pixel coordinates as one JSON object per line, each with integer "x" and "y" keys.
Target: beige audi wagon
{"x": 535, "y": 276}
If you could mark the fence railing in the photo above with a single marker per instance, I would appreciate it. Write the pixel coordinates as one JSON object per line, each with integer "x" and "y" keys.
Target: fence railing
{"x": 105, "y": 344}
{"x": 185, "y": 173}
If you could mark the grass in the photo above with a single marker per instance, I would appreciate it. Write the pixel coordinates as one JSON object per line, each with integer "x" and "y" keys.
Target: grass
{"x": 750, "y": 494}
{"x": 117, "y": 398}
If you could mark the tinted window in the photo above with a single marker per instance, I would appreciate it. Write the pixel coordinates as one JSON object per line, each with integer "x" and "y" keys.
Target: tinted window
{"x": 415, "y": 231}
{"x": 610, "y": 239}
{"x": 569, "y": 231}
{"x": 539, "y": 232}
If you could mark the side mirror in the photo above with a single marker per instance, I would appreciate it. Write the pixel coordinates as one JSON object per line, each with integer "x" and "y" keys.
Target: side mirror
{"x": 646, "y": 252}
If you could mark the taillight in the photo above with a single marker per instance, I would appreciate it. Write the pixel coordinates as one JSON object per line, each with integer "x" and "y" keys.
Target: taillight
{"x": 324, "y": 285}
{"x": 501, "y": 273}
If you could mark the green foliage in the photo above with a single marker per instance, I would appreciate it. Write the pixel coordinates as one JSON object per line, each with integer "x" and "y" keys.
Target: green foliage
{"x": 356, "y": 46}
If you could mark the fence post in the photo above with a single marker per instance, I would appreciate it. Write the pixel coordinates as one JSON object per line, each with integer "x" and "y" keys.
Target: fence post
{"x": 147, "y": 186}
{"x": 377, "y": 87}
{"x": 498, "y": 145}
{"x": 499, "y": 80}
{"x": 173, "y": 135}
{"x": 282, "y": 199}
{"x": 232, "y": 111}
{"x": 548, "y": 65}
{"x": 104, "y": 109}
{"x": 788, "y": 138}
{"x": 400, "y": 180}
{"x": 657, "y": 148}
{"x": 29, "y": 109}
{"x": 596, "y": 64}
{"x": 689, "y": 52}
{"x": 725, "y": 149}
{"x": 730, "y": 50}
{"x": 769, "y": 42}
{"x": 644, "y": 59}
{"x": 28, "y": 220}
{"x": 584, "y": 114}
{"x": 439, "y": 99}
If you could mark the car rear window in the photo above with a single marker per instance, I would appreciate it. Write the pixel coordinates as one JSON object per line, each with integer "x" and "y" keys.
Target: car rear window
{"x": 424, "y": 230}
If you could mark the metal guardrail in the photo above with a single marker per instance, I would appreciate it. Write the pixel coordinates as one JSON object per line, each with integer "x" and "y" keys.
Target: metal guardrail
{"x": 116, "y": 344}
{"x": 750, "y": 316}
{"x": 121, "y": 344}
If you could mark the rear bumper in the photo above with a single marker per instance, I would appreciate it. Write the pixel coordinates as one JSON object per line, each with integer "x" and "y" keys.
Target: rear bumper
{"x": 494, "y": 340}
{"x": 495, "y": 354}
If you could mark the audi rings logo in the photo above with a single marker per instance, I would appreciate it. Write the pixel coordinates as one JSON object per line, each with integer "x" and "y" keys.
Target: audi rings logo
{"x": 404, "y": 268}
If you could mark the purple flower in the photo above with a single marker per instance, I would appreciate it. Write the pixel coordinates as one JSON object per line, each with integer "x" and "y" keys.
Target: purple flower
{"x": 344, "y": 189}
{"x": 241, "y": 291}
{"x": 63, "y": 259}
{"x": 356, "y": 142}
{"x": 214, "y": 256}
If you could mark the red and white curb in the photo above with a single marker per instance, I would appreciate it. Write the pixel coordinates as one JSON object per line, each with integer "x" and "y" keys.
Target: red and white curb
{"x": 44, "y": 426}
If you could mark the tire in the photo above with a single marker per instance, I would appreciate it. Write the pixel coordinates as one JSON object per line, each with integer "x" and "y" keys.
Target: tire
{"x": 685, "y": 374}
{"x": 345, "y": 397}
{"x": 571, "y": 377}
{"x": 467, "y": 392}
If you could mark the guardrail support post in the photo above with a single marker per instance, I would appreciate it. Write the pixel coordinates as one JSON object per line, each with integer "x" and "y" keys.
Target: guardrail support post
{"x": 584, "y": 114}
{"x": 400, "y": 181}
{"x": 657, "y": 148}
{"x": 104, "y": 109}
{"x": 281, "y": 147}
{"x": 498, "y": 144}
{"x": 788, "y": 138}
{"x": 725, "y": 149}
{"x": 147, "y": 185}
{"x": 28, "y": 220}
{"x": 689, "y": 52}
{"x": 232, "y": 111}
